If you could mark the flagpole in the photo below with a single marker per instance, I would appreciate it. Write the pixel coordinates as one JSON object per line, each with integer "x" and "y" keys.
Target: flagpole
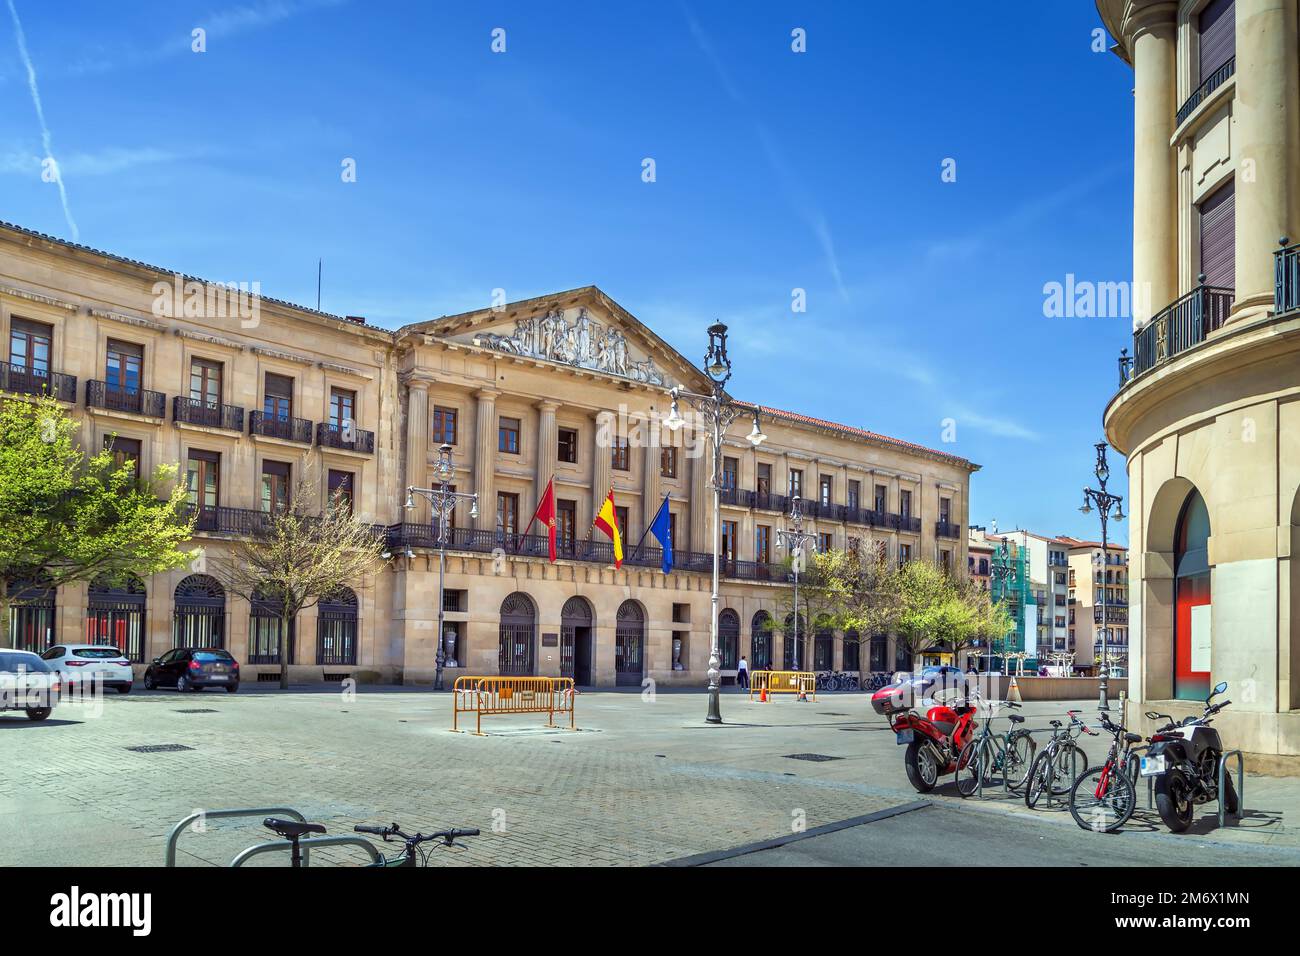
{"x": 650, "y": 524}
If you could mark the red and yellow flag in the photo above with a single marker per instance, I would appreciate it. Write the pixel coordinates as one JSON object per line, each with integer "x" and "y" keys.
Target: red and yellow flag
{"x": 607, "y": 521}
{"x": 546, "y": 514}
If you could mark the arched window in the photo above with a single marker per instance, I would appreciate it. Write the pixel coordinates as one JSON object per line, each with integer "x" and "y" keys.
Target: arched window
{"x": 517, "y": 635}
{"x": 115, "y": 615}
{"x": 852, "y": 655}
{"x": 824, "y": 648}
{"x": 729, "y": 638}
{"x": 31, "y": 616}
{"x": 200, "y": 616}
{"x": 760, "y": 639}
{"x": 576, "y": 622}
{"x": 336, "y": 628}
{"x": 629, "y": 644}
{"x": 796, "y": 654}
{"x": 265, "y": 642}
{"x": 1192, "y": 600}
{"x": 879, "y": 653}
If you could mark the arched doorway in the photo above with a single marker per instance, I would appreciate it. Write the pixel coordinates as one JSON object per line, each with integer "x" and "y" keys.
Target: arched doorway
{"x": 577, "y": 628}
{"x": 115, "y": 615}
{"x": 729, "y": 638}
{"x": 760, "y": 640}
{"x": 31, "y": 616}
{"x": 824, "y": 648}
{"x": 516, "y": 649}
{"x": 629, "y": 644}
{"x": 200, "y": 616}
{"x": 1192, "y": 600}
{"x": 336, "y": 628}
{"x": 796, "y": 653}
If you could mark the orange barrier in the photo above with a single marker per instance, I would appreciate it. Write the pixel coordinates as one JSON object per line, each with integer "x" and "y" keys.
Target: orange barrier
{"x": 802, "y": 683}
{"x": 512, "y": 695}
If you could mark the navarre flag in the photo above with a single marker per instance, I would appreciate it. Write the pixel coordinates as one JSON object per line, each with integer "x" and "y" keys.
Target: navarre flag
{"x": 545, "y": 513}
{"x": 607, "y": 521}
{"x": 661, "y": 527}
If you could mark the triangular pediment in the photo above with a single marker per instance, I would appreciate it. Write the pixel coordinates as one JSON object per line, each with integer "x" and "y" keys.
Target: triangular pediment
{"x": 583, "y": 329}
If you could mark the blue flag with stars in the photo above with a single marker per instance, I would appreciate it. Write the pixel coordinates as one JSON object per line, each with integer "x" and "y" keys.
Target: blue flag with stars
{"x": 661, "y": 527}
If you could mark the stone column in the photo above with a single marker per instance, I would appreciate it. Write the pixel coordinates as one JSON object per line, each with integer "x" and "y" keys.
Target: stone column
{"x": 547, "y": 449}
{"x": 602, "y": 433}
{"x": 651, "y": 496}
{"x": 702, "y": 500}
{"x": 485, "y": 453}
{"x": 1155, "y": 191}
{"x": 417, "y": 447}
{"x": 1266, "y": 128}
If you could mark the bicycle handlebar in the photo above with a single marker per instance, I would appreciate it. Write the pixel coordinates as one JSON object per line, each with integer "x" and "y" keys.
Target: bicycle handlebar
{"x": 393, "y": 830}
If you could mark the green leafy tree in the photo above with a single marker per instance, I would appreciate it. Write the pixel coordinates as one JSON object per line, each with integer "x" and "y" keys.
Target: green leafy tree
{"x": 67, "y": 517}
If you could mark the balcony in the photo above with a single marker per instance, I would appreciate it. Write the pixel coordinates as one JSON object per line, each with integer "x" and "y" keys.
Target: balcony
{"x": 766, "y": 501}
{"x": 329, "y": 435}
{"x": 906, "y": 523}
{"x": 286, "y": 429}
{"x": 1114, "y": 615}
{"x": 1202, "y": 92}
{"x": 208, "y": 414}
{"x": 1177, "y": 328}
{"x": 244, "y": 522}
{"x": 28, "y": 381}
{"x": 946, "y": 529}
{"x": 1286, "y": 283}
{"x": 136, "y": 401}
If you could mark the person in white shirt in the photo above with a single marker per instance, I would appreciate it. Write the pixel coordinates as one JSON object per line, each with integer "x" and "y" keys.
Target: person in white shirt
{"x": 742, "y": 674}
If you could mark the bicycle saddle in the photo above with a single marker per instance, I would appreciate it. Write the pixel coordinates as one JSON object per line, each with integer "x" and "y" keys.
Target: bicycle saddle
{"x": 1133, "y": 738}
{"x": 1055, "y": 723}
{"x": 291, "y": 829}
{"x": 1016, "y": 718}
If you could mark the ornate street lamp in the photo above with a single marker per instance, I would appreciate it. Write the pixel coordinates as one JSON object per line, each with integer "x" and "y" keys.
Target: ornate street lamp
{"x": 796, "y": 540}
{"x": 718, "y": 411}
{"x": 1104, "y": 501}
{"x": 443, "y": 501}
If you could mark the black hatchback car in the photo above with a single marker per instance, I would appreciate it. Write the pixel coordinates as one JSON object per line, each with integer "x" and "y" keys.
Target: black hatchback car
{"x": 193, "y": 668}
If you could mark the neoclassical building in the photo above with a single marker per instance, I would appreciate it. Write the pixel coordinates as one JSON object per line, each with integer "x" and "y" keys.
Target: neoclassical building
{"x": 569, "y": 387}
{"x": 1208, "y": 408}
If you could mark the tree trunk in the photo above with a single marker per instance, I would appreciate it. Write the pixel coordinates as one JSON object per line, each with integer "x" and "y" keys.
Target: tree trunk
{"x": 285, "y": 647}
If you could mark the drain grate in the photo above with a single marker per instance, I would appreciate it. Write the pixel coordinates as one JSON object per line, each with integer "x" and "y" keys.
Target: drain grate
{"x": 159, "y": 748}
{"x": 815, "y": 758}
{"x": 198, "y": 710}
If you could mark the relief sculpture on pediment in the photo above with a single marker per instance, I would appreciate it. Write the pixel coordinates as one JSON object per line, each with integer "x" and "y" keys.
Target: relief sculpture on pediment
{"x": 584, "y": 343}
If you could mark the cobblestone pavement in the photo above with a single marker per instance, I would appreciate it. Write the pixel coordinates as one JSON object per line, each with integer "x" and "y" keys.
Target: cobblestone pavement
{"x": 643, "y": 781}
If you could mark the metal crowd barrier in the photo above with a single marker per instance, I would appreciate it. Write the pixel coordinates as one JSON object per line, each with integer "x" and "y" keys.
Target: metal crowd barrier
{"x": 512, "y": 695}
{"x": 783, "y": 682}
{"x": 169, "y": 855}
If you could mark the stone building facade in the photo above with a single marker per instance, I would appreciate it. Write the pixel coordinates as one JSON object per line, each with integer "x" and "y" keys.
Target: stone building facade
{"x": 569, "y": 386}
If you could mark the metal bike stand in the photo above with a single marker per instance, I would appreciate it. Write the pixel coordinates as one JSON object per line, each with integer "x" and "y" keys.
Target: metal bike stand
{"x": 304, "y": 845}
{"x": 169, "y": 857}
{"x": 1241, "y": 783}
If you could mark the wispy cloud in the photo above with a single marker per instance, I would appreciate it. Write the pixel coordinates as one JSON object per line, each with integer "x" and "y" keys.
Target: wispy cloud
{"x": 46, "y": 140}
{"x": 108, "y": 161}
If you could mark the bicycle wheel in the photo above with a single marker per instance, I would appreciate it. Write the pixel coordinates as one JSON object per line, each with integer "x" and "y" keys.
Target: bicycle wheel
{"x": 1041, "y": 772}
{"x": 970, "y": 763}
{"x": 1019, "y": 757}
{"x": 1102, "y": 799}
{"x": 1070, "y": 762}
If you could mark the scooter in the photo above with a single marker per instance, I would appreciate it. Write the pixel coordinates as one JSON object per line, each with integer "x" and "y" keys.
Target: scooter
{"x": 1184, "y": 759}
{"x": 935, "y": 741}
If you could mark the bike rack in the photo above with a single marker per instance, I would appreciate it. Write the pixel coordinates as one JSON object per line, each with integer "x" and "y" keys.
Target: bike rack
{"x": 169, "y": 856}
{"x": 1241, "y": 784}
{"x": 304, "y": 845}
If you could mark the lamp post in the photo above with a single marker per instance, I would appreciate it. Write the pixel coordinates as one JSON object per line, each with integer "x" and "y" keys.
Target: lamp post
{"x": 1103, "y": 500}
{"x": 796, "y": 541}
{"x": 442, "y": 501}
{"x": 1001, "y": 569}
{"x": 718, "y": 411}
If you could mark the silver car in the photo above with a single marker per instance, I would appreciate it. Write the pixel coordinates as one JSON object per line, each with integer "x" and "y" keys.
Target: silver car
{"x": 27, "y": 683}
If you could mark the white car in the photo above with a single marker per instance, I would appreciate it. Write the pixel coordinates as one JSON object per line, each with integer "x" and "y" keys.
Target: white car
{"x": 81, "y": 665}
{"x": 27, "y": 683}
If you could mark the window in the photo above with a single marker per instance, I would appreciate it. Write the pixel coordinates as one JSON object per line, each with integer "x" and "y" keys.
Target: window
{"x": 984, "y": 567}
{"x": 125, "y": 450}
{"x": 945, "y": 510}
{"x": 905, "y": 504}
{"x": 205, "y": 382}
{"x": 336, "y": 628}
{"x": 29, "y": 345}
{"x": 824, "y": 649}
{"x": 566, "y": 524}
{"x": 824, "y": 489}
{"x": 730, "y": 469}
{"x": 275, "y": 486}
{"x": 796, "y": 482}
{"x": 851, "y": 653}
{"x": 945, "y": 560}
{"x": 277, "y": 402}
{"x": 31, "y": 616}
{"x": 444, "y": 425}
{"x": 668, "y": 462}
{"x": 508, "y": 435}
{"x": 124, "y": 366}
{"x": 882, "y": 551}
{"x": 620, "y": 457}
{"x": 764, "y": 478}
{"x": 882, "y": 499}
{"x": 672, "y": 529}
{"x": 763, "y": 544}
{"x": 1217, "y": 36}
{"x": 340, "y": 488}
{"x": 507, "y": 514}
{"x": 855, "y": 490}
{"x": 1218, "y": 239}
{"x": 825, "y": 541}
{"x": 267, "y": 644}
{"x": 343, "y": 408}
{"x": 115, "y": 616}
{"x": 904, "y": 553}
{"x": 760, "y": 641}
{"x": 203, "y": 481}
{"x": 620, "y": 515}
{"x": 567, "y": 446}
{"x": 728, "y": 541}
{"x": 1192, "y": 600}
{"x": 200, "y": 613}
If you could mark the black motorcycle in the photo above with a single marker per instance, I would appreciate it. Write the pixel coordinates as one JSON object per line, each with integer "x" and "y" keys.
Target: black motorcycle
{"x": 1184, "y": 759}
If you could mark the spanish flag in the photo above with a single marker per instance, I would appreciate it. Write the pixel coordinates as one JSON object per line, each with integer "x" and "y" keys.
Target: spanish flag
{"x": 546, "y": 514}
{"x": 607, "y": 521}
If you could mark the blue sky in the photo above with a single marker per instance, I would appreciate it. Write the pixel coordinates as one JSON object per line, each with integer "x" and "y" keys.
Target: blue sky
{"x": 522, "y": 170}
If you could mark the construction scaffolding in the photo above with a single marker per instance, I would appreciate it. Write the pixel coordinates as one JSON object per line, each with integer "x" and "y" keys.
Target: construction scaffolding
{"x": 1015, "y": 590}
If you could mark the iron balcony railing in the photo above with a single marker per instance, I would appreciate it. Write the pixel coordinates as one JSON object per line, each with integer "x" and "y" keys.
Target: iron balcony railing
{"x": 329, "y": 435}
{"x": 946, "y": 529}
{"x": 34, "y": 381}
{"x": 137, "y": 401}
{"x": 766, "y": 501}
{"x": 1202, "y": 92}
{"x": 242, "y": 522}
{"x": 1188, "y": 321}
{"x": 273, "y": 426}
{"x": 1114, "y": 615}
{"x": 1286, "y": 282}
{"x": 194, "y": 411}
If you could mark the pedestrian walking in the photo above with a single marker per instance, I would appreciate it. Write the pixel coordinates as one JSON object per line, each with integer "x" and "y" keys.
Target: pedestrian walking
{"x": 742, "y": 673}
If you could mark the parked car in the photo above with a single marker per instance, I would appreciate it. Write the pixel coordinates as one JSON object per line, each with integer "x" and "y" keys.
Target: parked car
{"x": 193, "y": 668}
{"x": 83, "y": 664}
{"x": 27, "y": 683}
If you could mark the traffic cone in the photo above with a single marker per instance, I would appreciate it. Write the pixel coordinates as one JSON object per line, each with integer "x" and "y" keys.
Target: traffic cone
{"x": 762, "y": 696}
{"x": 1013, "y": 692}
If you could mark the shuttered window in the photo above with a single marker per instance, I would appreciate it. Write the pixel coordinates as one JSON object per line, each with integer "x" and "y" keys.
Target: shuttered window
{"x": 1218, "y": 238}
{"x": 1217, "y": 27}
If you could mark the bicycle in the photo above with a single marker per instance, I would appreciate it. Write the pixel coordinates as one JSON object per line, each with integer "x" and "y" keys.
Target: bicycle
{"x": 1010, "y": 752}
{"x": 1060, "y": 762}
{"x": 1103, "y": 798}
{"x": 411, "y": 854}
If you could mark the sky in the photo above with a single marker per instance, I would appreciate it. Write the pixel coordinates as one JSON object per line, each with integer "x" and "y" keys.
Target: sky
{"x": 921, "y": 177}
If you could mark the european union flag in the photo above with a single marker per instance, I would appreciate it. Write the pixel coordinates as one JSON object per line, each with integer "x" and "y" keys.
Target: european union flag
{"x": 661, "y": 527}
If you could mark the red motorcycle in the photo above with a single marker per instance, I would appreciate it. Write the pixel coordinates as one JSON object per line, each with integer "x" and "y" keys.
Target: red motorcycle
{"x": 934, "y": 742}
